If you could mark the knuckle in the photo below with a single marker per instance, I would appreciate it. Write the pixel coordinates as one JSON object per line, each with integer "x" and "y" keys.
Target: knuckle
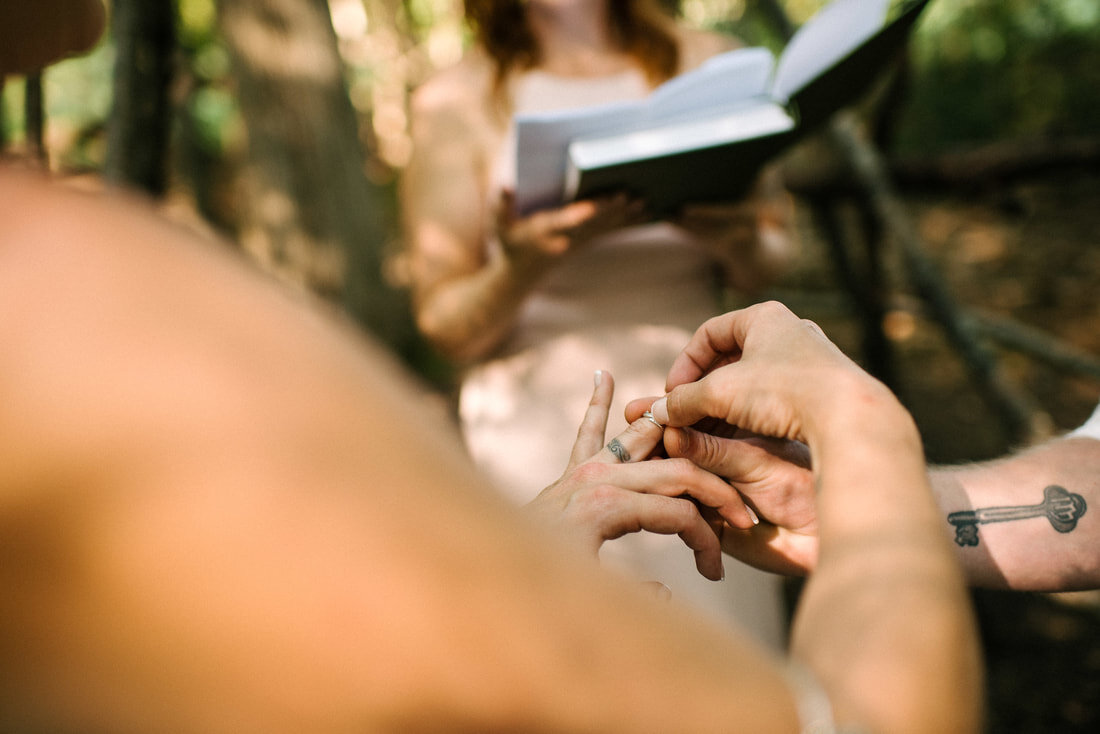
{"x": 683, "y": 470}
{"x": 590, "y": 473}
{"x": 603, "y": 495}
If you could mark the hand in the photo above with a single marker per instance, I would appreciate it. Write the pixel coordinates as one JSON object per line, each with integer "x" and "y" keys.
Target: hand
{"x": 774, "y": 480}
{"x": 764, "y": 370}
{"x": 762, "y": 373}
{"x": 600, "y": 498}
{"x": 773, "y": 477}
{"x": 553, "y": 232}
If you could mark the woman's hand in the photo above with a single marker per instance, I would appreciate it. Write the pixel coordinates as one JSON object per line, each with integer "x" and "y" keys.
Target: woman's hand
{"x": 550, "y": 233}
{"x": 610, "y": 491}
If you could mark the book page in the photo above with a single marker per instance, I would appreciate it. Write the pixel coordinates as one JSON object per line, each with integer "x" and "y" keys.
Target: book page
{"x": 725, "y": 80}
{"x": 542, "y": 140}
{"x": 835, "y": 31}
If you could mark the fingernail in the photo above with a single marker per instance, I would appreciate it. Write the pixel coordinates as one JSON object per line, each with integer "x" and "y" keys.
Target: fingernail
{"x": 752, "y": 515}
{"x": 660, "y": 411}
{"x": 597, "y": 378}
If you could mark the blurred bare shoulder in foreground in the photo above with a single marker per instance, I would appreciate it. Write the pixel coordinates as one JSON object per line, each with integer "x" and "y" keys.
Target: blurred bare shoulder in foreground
{"x": 223, "y": 511}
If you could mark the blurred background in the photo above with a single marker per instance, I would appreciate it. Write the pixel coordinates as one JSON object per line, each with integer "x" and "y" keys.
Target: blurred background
{"x": 966, "y": 274}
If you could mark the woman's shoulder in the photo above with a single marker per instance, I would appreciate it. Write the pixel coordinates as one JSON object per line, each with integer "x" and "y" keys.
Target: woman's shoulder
{"x": 462, "y": 88}
{"x": 698, "y": 45}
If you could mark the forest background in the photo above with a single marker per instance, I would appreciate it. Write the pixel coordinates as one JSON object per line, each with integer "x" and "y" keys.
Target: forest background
{"x": 964, "y": 270}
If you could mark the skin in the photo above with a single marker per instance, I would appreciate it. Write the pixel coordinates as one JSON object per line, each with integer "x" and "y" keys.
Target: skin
{"x": 466, "y": 295}
{"x": 224, "y": 510}
{"x": 600, "y": 498}
{"x": 887, "y": 562}
{"x": 775, "y": 479}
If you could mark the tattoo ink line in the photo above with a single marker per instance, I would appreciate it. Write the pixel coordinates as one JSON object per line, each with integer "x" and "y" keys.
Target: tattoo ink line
{"x": 618, "y": 450}
{"x": 1061, "y": 507}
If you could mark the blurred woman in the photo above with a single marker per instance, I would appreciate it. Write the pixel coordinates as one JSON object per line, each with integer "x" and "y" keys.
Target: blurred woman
{"x": 531, "y": 305}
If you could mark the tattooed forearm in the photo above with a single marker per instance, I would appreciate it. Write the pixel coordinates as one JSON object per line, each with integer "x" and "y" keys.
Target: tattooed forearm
{"x": 1062, "y": 508}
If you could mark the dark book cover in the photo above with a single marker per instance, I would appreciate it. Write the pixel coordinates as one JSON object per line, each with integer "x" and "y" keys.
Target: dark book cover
{"x": 725, "y": 171}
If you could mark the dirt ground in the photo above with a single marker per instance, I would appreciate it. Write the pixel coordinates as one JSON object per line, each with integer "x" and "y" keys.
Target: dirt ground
{"x": 1030, "y": 251}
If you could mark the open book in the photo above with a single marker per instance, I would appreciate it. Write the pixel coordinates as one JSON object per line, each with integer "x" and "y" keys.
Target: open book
{"x": 704, "y": 135}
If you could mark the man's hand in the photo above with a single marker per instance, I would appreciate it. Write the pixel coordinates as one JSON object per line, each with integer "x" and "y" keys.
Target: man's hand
{"x": 742, "y": 397}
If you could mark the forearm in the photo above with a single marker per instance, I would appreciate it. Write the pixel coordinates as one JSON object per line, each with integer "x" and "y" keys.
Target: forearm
{"x": 1032, "y": 551}
{"x": 885, "y": 617}
{"x": 466, "y": 317}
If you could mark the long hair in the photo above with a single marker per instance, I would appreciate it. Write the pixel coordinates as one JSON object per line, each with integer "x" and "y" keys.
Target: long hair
{"x": 641, "y": 27}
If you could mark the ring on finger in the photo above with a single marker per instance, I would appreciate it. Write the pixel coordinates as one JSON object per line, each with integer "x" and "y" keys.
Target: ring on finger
{"x": 648, "y": 415}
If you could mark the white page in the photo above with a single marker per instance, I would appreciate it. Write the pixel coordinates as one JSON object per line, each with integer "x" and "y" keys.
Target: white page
{"x": 727, "y": 79}
{"x": 543, "y": 138}
{"x": 834, "y": 32}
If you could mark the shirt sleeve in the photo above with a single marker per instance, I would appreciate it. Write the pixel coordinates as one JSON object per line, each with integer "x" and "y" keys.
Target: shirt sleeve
{"x": 1090, "y": 428}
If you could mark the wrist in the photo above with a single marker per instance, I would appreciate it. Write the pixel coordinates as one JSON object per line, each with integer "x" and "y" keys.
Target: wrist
{"x": 854, "y": 407}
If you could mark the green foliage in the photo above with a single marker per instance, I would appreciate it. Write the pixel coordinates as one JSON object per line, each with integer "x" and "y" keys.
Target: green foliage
{"x": 981, "y": 70}
{"x": 1003, "y": 69}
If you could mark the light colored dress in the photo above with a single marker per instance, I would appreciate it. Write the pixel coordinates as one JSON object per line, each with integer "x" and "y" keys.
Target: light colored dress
{"x": 627, "y": 302}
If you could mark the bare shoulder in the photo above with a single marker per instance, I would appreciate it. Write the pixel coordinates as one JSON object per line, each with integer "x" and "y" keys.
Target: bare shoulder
{"x": 457, "y": 93}
{"x": 696, "y": 45}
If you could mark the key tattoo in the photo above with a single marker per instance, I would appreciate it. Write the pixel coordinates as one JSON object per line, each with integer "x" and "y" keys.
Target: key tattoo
{"x": 1062, "y": 508}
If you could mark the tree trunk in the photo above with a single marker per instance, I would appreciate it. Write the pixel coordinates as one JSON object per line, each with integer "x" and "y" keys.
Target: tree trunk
{"x": 34, "y": 117}
{"x": 309, "y": 214}
{"x": 138, "y": 128}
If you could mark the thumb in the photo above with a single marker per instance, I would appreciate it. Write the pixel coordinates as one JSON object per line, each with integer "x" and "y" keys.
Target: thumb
{"x": 685, "y": 405}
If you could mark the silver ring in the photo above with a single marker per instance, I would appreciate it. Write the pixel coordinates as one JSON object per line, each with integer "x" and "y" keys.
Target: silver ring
{"x": 649, "y": 417}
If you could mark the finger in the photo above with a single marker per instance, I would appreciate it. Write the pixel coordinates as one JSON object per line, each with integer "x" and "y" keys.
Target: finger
{"x": 719, "y": 340}
{"x": 636, "y": 407}
{"x": 570, "y": 216}
{"x": 738, "y": 460}
{"x": 680, "y": 478}
{"x": 688, "y": 404}
{"x": 671, "y": 516}
{"x": 634, "y": 444}
{"x": 590, "y": 435}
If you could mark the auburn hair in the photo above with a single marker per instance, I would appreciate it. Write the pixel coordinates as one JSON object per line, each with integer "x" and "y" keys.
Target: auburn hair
{"x": 641, "y": 27}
